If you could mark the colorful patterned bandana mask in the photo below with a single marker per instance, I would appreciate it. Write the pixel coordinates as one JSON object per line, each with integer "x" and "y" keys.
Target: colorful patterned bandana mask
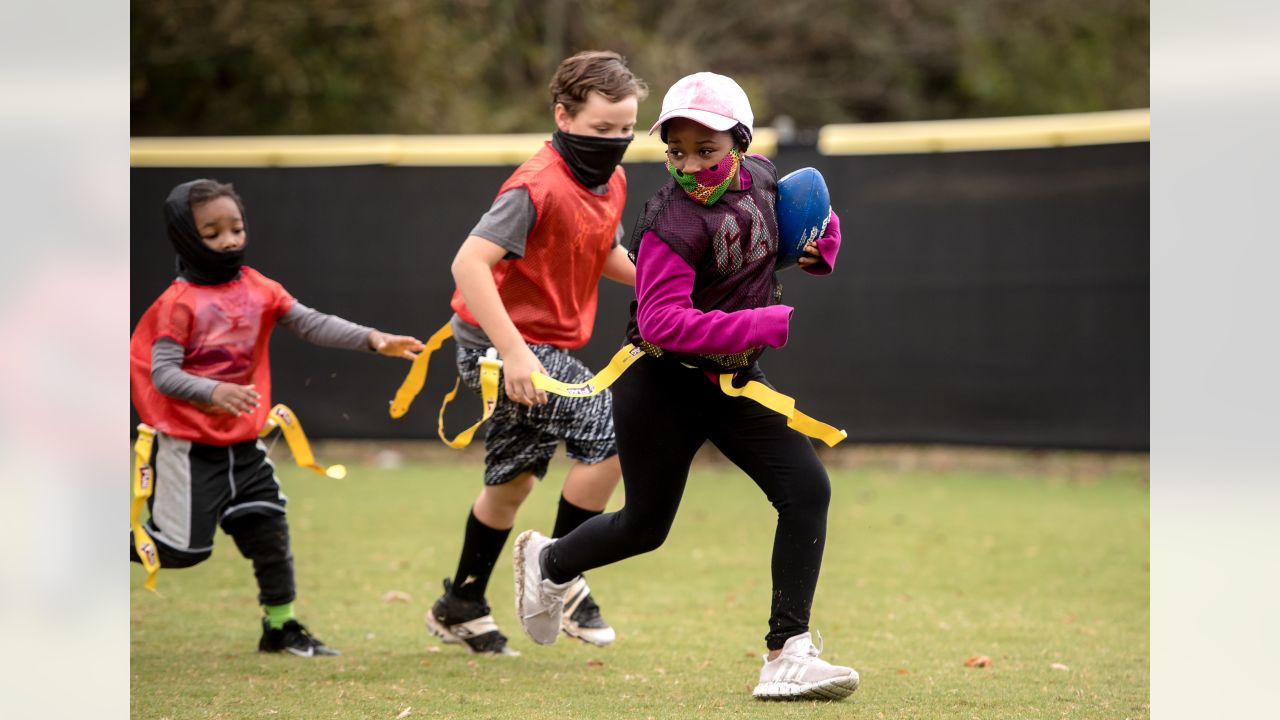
{"x": 706, "y": 186}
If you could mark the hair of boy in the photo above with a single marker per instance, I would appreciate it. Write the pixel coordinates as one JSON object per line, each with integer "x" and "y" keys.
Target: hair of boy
{"x": 602, "y": 71}
{"x": 202, "y": 191}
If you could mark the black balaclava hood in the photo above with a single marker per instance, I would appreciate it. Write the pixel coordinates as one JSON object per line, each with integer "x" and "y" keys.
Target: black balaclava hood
{"x": 197, "y": 262}
{"x": 590, "y": 158}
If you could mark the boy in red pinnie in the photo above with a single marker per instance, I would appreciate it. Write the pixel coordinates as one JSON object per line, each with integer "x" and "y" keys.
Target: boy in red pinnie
{"x": 200, "y": 376}
{"x": 527, "y": 279}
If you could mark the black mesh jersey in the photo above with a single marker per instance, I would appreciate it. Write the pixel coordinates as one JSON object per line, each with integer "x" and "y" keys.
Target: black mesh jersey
{"x": 731, "y": 245}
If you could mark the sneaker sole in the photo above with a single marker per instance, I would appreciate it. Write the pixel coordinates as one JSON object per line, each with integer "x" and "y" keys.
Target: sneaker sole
{"x": 308, "y": 653}
{"x": 598, "y": 636}
{"x": 834, "y": 689}
{"x": 517, "y": 560}
{"x": 585, "y": 636}
{"x": 519, "y": 552}
{"x": 435, "y": 627}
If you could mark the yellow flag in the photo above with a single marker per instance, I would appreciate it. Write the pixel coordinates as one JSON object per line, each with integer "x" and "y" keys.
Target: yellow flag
{"x": 785, "y": 406}
{"x": 417, "y": 376}
{"x": 144, "y": 481}
{"x": 490, "y": 380}
{"x": 282, "y": 417}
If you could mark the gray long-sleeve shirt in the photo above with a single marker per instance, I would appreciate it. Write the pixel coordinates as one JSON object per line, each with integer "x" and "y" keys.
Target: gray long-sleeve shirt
{"x": 309, "y": 324}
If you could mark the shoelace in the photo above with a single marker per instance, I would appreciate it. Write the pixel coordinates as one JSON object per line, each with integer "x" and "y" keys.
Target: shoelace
{"x": 810, "y": 653}
{"x": 306, "y": 634}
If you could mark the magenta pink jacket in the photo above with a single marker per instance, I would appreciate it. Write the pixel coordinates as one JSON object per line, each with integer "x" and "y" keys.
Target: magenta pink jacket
{"x": 666, "y": 317}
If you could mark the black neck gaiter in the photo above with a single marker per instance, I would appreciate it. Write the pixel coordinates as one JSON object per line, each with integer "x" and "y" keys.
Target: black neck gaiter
{"x": 197, "y": 262}
{"x": 591, "y": 159}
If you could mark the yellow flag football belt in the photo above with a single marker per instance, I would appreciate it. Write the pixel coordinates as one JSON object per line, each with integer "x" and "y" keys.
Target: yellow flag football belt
{"x": 490, "y": 376}
{"x": 285, "y": 419}
{"x": 144, "y": 481}
{"x": 280, "y": 416}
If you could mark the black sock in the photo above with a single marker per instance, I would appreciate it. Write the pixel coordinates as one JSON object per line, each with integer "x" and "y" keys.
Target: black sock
{"x": 570, "y": 516}
{"x": 481, "y": 546}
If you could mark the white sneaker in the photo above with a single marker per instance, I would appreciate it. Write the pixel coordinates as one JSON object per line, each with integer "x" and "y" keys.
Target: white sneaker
{"x": 539, "y": 602}
{"x": 582, "y": 618}
{"x": 798, "y": 674}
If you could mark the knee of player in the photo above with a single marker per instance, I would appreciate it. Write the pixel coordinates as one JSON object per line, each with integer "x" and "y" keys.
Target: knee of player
{"x": 510, "y": 494}
{"x": 258, "y": 535}
{"x": 811, "y": 494}
{"x": 649, "y": 537}
{"x": 171, "y": 559}
{"x": 817, "y": 492}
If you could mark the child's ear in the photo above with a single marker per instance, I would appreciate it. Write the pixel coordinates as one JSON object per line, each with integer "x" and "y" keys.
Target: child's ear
{"x": 563, "y": 118}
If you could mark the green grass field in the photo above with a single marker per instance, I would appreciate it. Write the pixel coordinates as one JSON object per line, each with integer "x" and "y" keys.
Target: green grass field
{"x": 1044, "y": 573}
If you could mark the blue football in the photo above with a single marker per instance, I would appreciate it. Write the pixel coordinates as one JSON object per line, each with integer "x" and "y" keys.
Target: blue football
{"x": 804, "y": 207}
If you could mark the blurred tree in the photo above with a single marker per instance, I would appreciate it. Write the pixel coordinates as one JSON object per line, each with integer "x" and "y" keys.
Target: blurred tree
{"x": 230, "y": 67}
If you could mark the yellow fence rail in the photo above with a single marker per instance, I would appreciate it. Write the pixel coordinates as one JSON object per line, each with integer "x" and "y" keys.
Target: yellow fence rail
{"x": 1007, "y": 133}
{"x": 328, "y": 150}
{"x": 513, "y": 149}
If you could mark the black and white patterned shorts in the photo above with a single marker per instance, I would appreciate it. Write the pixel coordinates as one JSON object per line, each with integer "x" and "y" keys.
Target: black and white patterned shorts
{"x": 522, "y": 439}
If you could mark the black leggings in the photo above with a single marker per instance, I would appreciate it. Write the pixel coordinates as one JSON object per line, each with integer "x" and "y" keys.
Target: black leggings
{"x": 663, "y": 412}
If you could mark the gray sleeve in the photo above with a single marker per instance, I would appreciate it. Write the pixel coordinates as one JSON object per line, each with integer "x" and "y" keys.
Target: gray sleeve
{"x": 508, "y": 222}
{"x": 318, "y": 328}
{"x": 169, "y": 377}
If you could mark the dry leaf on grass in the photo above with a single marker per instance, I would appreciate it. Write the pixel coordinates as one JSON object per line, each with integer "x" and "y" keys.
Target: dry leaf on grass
{"x": 1058, "y": 666}
{"x": 395, "y": 596}
{"x": 978, "y": 661}
{"x": 595, "y": 663}
{"x": 405, "y": 713}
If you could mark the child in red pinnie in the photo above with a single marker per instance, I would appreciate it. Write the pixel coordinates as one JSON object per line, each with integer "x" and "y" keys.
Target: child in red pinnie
{"x": 200, "y": 376}
{"x": 527, "y": 279}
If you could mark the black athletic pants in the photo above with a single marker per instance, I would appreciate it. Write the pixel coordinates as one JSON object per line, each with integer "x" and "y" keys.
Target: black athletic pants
{"x": 663, "y": 411}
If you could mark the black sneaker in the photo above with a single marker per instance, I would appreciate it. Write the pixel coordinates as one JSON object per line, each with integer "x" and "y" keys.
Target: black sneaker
{"x": 292, "y": 638}
{"x": 466, "y": 622}
{"x": 582, "y": 618}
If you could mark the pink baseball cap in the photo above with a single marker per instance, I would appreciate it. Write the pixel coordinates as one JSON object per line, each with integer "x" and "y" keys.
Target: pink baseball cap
{"x": 709, "y": 99}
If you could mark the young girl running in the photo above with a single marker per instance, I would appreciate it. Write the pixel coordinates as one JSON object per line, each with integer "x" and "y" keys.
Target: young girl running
{"x": 707, "y": 303}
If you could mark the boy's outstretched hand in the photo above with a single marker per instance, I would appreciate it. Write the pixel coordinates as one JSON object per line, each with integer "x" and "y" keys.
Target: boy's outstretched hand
{"x": 401, "y": 346}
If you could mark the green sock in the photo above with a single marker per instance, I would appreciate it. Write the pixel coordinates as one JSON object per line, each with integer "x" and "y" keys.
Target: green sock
{"x": 278, "y": 615}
